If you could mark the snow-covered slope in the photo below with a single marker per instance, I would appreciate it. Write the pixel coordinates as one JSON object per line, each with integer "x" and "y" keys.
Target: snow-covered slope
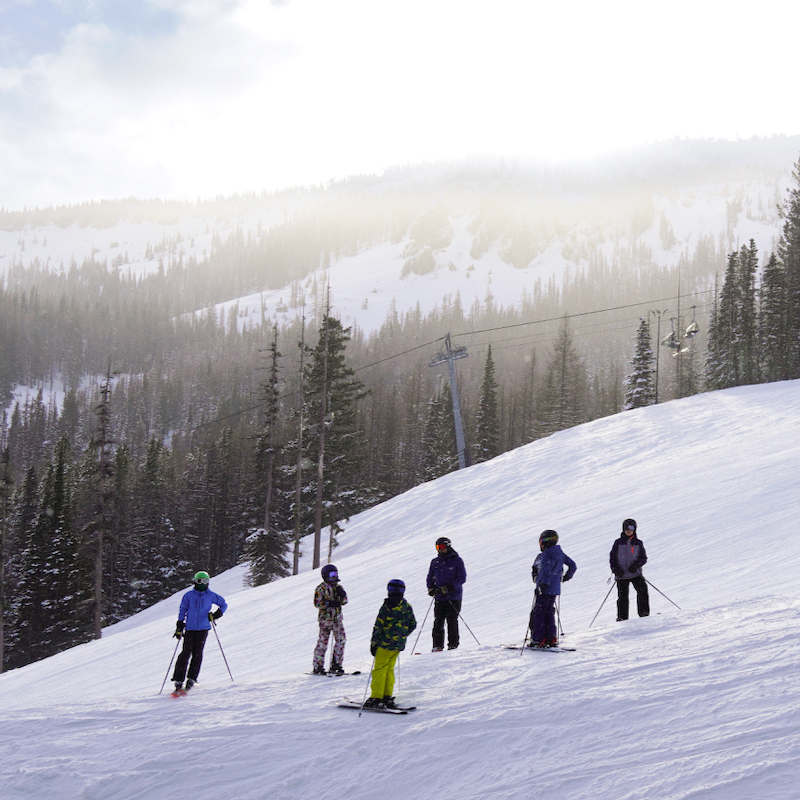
{"x": 699, "y": 702}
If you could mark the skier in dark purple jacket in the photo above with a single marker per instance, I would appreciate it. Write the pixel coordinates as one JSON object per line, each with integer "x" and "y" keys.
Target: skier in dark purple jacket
{"x": 548, "y": 574}
{"x": 627, "y": 558}
{"x": 446, "y": 577}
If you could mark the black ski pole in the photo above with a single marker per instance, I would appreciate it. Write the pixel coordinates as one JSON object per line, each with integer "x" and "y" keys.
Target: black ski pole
{"x": 414, "y": 648}
{"x": 465, "y": 622}
{"x": 527, "y": 630}
{"x": 369, "y": 681}
{"x": 662, "y": 594}
{"x": 603, "y": 603}
{"x": 214, "y": 626}
{"x": 170, "y": 666}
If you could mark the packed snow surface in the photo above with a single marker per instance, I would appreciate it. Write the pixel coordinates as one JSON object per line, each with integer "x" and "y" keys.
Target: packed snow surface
{"x": 695, "y": 702}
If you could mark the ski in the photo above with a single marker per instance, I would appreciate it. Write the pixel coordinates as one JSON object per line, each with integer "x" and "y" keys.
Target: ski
{"x": 333, "y": 674}
{"x": 179, "y": 693}
{"x": 348, "y": 703}
{"x": 557, "y": 649}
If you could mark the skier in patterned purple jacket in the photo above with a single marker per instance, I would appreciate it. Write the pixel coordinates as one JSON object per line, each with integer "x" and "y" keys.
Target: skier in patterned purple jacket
{"x": 329, "y": 597}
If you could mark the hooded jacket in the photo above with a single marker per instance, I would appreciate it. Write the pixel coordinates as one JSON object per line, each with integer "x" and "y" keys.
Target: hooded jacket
{"x": 550, "y": 569}
{"x": 394, "y": 623}
{"x": 447, "y": 569}
{"x": 329, "y": 599}
{"x": 627, "y": 557}
{"x": 195, "y": 607}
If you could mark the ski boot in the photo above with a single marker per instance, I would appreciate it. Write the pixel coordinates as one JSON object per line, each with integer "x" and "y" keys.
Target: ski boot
{"x": 319, "y": 670}
{"x": 189, "y": 684}
{"x": 336, "y": 669}
{"x": 388, "y": 702}
{"x": 374, "y": 702}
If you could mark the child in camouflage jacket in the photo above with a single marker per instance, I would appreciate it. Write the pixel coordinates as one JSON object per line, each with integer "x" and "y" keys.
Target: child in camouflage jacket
{"x": 394, "y": 623}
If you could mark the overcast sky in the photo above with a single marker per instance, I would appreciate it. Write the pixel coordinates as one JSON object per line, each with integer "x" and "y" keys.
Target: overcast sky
{"x": 194, "y": 98}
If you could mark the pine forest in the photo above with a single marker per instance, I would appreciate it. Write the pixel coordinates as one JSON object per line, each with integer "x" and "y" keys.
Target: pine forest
{"x": 154, "y": 426}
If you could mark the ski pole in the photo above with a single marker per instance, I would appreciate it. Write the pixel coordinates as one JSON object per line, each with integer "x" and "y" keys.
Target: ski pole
{"x": 369, "y": 681}
{"x": 558, "y": 616}
{"x": 214, "y": 626}
{"x": 169, "y": 667}
{"x": 465, "y": 622}
{"x": 527, "y": 630}
{"x": 603, "y": 603}
{"x": 662, "y": 593}
{"x": 414, "y": 648}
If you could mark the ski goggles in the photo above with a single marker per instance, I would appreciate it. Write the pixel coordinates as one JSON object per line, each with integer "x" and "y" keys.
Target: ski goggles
{"x": 333, "y": 575}
{"x": 203, "y": 581}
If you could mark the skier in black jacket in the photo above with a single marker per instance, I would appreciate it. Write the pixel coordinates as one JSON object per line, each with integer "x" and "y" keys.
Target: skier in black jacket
{"x": 627, "y": 558}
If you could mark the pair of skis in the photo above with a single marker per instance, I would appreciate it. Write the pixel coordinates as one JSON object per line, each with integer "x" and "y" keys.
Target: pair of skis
{"x": 334, "y": 674}
{"x": 348, "y": 703}
{"x": 556, "y": 649}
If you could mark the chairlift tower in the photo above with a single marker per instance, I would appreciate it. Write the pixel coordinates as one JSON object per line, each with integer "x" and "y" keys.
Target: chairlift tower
{"x": 450, "y": 354}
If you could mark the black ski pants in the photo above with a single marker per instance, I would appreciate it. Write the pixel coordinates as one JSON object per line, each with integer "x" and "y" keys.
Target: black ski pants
{"x": 642, "y": 597}
{"x": 446, "y": 611}
{"x": 193, "y": 644}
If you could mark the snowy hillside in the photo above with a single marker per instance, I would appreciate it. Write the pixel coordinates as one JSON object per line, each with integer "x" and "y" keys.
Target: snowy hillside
{"x": 696, "y": 703}
{"x": 655, "y": 207}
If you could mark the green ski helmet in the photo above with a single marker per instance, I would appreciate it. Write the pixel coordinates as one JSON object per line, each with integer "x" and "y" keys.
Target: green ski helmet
{"x": 201, "y": 580}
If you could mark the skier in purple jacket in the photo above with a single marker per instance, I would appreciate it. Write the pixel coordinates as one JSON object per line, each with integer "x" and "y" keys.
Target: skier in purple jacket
{"x": 548, "y": 574}
{"x": 446, "y": 577}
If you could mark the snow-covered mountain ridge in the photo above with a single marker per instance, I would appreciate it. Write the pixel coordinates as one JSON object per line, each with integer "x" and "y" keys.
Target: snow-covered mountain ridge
{"x": 699, "y": 702}
{"x": 474, "y": 230}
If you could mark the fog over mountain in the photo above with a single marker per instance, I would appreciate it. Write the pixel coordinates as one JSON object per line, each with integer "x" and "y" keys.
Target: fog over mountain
{"x": 417, "y": 234}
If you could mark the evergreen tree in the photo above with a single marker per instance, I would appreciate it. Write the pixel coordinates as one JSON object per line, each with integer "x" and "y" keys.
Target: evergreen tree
{"x": 335, "y": 440}
{"x": 55, "y": 593}
{"x": 789, "y": 257}
{"x": 722, "y": 365}
{"x": 747, "y": 334}
{"x": 772, "y": 323}
{"x": 487, "y": 424}
{"x": 564, "y": 393}
{"x": 441, "y": 451}
{"x": 266, "y": 546}
{"x": 641, "y": 384}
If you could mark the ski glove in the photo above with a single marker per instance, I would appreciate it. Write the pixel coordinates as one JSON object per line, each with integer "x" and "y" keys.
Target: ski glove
{"x": 618, "y": 573}
{"x": 334, "y": 603}
{"x": 214, "y": 615}
{"x": 340, "y": 592}
{"x": 373, "y": 649}
{"x": 566, "y": 578}
{"x": 180, "y": 625}
{"x": 432, "y": 591}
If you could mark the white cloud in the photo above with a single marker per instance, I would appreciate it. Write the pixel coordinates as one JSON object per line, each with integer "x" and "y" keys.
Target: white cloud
{"x": 250, "y": 95}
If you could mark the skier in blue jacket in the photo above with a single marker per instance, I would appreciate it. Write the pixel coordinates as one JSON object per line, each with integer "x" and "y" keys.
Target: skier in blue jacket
{"x": 548, "y": 573}
{"x": 446, "y": 577}
{"x": 194, "y": 622}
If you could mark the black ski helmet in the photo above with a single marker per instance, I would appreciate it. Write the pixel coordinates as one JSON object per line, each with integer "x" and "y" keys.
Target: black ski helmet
{"x": 396, "y": 587}
{"x": 547, "y": 539}
{"x": 445, "y": 541}
{"x": 629, "y": 523}
{"x": 330, "y": 574}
